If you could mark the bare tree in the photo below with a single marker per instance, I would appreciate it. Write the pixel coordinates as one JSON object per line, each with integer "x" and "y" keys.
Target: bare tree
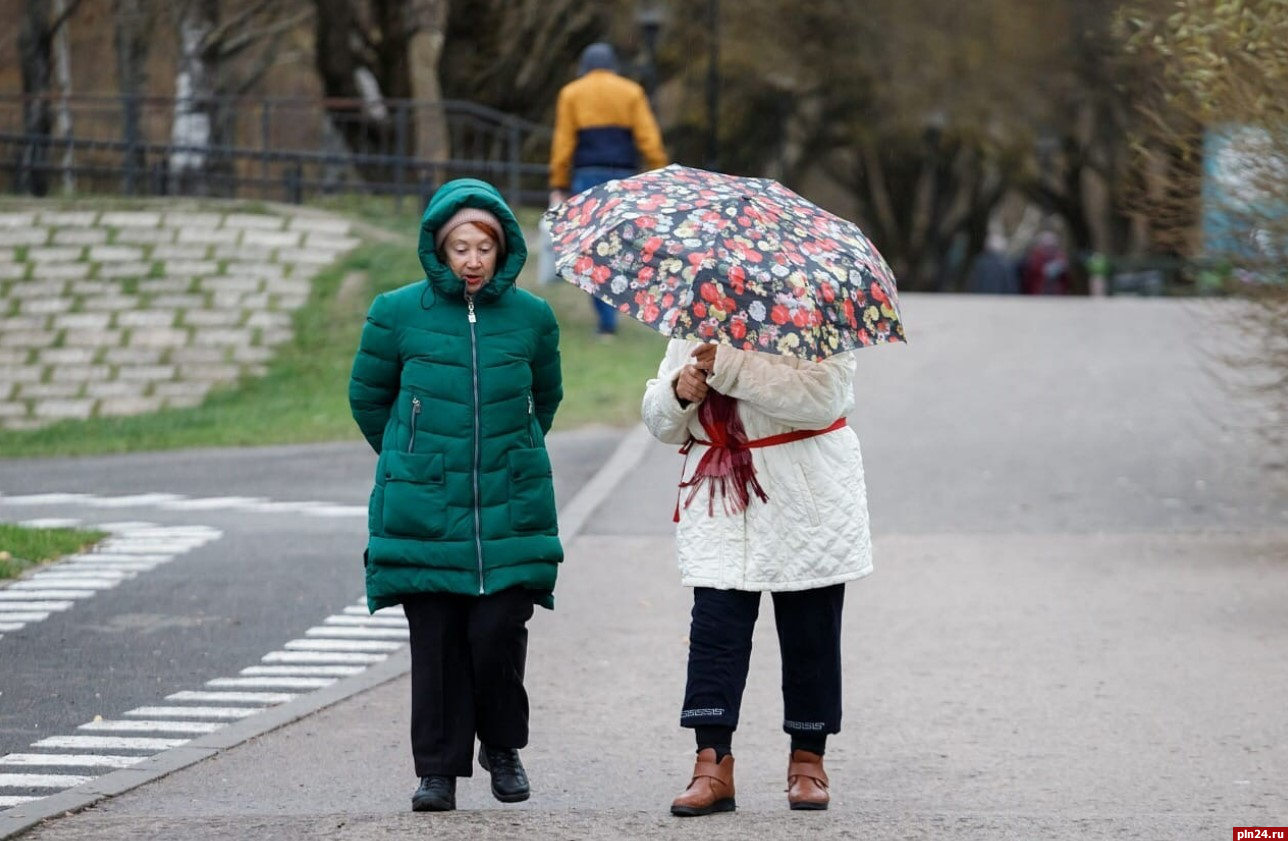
{"x": 35, "y": 47}
{"x": 205, "y": 84}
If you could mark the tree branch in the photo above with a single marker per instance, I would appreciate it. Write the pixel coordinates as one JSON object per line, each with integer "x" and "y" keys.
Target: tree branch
{"x": 68, "y": 11}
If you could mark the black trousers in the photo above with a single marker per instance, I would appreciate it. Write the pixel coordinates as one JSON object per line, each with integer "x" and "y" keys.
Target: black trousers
{"x": 467, "y": 660}
{"x": 809, "y": 640}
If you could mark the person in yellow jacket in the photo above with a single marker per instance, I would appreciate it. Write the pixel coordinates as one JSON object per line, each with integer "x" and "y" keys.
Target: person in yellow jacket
{"x": 604, "y": 129}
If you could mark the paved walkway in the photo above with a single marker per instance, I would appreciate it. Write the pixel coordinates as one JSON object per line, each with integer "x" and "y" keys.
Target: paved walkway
{"x": 1075, "y": 630}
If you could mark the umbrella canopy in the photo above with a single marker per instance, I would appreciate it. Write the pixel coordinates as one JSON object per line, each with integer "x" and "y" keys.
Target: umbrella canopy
{"x": 719, "y": 258}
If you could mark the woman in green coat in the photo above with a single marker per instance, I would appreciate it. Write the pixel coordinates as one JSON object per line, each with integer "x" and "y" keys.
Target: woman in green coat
{"x": 455, "y": 385}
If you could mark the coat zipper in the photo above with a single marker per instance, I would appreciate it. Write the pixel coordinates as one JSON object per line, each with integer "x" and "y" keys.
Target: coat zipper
{"x": 415, "y": 410}
{"x": 532, "y": 441}
{"x": 478, "y": 456}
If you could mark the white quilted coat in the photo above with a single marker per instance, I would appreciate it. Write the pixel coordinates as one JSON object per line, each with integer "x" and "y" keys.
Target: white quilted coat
{"x": 813, "y": 531}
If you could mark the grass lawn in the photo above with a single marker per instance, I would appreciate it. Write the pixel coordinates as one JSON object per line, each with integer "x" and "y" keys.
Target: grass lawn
{"x": 22, "y": 547}
{"x": 304, "y": 396}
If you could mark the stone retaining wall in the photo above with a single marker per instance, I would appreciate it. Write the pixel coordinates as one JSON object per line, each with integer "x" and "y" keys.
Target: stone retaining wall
{"x": 129, "y": 311}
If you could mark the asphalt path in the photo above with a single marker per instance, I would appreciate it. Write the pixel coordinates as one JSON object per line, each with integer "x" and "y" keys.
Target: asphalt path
{"x": 1075, "y": 629}
{"x": 212, "y": 610}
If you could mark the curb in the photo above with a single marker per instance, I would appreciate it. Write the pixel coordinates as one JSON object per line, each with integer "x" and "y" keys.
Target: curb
{"x": 18, "y": 819}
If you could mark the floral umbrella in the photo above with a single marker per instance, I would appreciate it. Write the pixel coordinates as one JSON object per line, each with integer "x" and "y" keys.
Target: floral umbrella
{"x": 741, "y": 261}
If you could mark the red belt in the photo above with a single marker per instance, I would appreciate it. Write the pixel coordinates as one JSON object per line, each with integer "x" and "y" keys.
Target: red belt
{"x": 767, "y": 441}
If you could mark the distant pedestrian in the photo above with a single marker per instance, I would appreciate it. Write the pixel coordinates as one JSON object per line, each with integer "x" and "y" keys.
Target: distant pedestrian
{"x": 993, "y": 272}
{"x": 777, "y": 503}
{"x": 1045, "y": 270}
{"x": 455, "y": 385}
{"x": 604, "y": 129}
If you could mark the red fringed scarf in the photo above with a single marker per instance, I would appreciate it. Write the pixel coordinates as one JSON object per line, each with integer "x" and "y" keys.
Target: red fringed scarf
{"x": 726, "y": 466}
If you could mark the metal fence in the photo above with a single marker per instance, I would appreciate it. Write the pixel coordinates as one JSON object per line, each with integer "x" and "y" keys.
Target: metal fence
{"x": 278, "y": 149}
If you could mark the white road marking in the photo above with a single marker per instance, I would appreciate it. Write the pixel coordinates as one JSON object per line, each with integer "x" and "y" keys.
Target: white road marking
{"x": 270, "y": 682}
{"x": 96, "y": 558}
{"x": 106, "y": 742}
{"x": 321, "y": 657}
{"x": 341, "y": 645}
{"x": 305, "y": 671}
{"x": 39, "y": 582}
{"x": 21, "y": 616}
{"x": 131, "y": 501}
{"x": 79, "y": 760}
{"x": 195, "y": 712}
{"x": 43, "y": 499}
{"x": 152, "y": 726}
{"x": 41, "y": 780}
{"x": 65, "y": 571}
{"x": 212, "y": 503}
{"x": 361, "y": 610}
{"x": 50, "y": 523}
{"x": 368, "y": 621}
{"x": 6, "y": 801}
{"x": 234, "y": 697}
{"x": 12, "y": 595}
{"x": 341, "y": 632}
{"x": 10, "y": 627}
{"x": 39, "y": 604}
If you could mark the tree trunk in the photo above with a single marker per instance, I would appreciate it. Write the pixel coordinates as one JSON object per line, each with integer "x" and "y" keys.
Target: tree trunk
{"x": 193, "y": 129}
{"x": 34, "y": 49}
{"x": 63, "y": 71}
{"x": 424, "y": 52}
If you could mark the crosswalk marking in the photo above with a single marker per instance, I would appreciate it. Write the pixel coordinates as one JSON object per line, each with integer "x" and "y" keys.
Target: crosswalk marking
{"x": 195, "y": 712}
{"x": 321, "y": 657}
{"x": 233, "y": 697}
{"x": 305, "y": 671}
{"x": 109, "y": 742}
{"x": 152, "y": 726}
{"x": 41, "y": 780}
{"x": 269, "y": 682}
{"x": 341, "y": 645}
{"x": 77, "y": 760}
{"x": 340, "y": 631}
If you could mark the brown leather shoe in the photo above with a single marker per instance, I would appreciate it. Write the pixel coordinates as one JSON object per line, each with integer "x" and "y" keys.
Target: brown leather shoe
{"x": 806, "y": 781}
{"x": 710, "y": 790}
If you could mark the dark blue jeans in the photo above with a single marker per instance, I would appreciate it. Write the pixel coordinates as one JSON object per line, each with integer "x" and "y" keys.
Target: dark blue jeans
{"x": 583, "y": 178}
{"x": 809, "y": 640}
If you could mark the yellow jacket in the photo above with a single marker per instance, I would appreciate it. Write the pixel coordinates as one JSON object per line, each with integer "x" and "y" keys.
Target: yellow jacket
{"x": 603, "y": 119}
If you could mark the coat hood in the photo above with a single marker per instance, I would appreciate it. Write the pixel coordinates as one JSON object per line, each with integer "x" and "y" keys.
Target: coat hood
{"x": 598, "y": 56}
{"x": 449, "y": 198}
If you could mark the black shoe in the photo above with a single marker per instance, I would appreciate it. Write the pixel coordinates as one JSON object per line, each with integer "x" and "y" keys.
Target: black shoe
{"x": 509, "y": 780}
{"x": 437, "y": 793}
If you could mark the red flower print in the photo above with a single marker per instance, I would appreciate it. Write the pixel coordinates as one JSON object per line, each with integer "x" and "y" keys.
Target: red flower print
{"x": 779, "y": 314}
{"x": 878, "y": 293}
{"x": 668, "y": 300}
{"x": 601, "y": 274}
{"x": 738, "y": 328}
{"x": 583, "y": 265}
{"x": 709, "y": 293}
{"x": 699, "y": 310}
{"x": 828, "y": 293}
{"x": 650, "y": 313}
{"x": 800, "y": 318}
{"x": 645, "y": 274}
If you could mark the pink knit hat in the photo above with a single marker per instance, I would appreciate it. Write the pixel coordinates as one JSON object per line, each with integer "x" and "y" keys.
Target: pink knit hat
{"x": 470, "y": 214}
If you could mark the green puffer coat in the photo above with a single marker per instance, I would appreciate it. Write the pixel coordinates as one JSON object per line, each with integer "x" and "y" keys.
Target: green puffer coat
{"x": 456, "y": 397}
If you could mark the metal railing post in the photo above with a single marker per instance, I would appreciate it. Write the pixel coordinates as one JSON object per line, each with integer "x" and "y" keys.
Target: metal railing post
{"x": 512, "y": 163}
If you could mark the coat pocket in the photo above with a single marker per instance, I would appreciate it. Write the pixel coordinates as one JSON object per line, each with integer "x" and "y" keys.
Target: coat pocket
{"x": 532, "y": 490}
{"x": 415, "y": 495}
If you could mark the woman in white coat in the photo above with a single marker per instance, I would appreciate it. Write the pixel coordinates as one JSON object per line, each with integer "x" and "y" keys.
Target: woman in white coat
{"x": 775, "y": 502}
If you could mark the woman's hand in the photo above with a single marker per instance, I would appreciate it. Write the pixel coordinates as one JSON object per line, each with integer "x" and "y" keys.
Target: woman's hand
{"x": 691, "y": 383}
